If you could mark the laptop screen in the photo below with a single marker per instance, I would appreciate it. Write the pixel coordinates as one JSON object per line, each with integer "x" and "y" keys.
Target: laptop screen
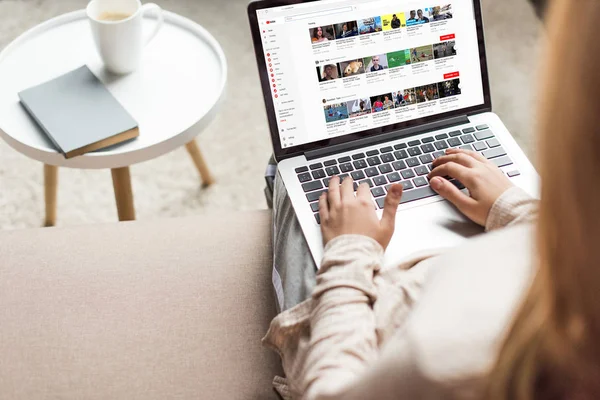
{"x": 338, "y": 67}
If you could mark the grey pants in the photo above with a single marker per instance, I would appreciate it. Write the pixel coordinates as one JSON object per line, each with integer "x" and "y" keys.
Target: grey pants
{"x": 294, "y": 271}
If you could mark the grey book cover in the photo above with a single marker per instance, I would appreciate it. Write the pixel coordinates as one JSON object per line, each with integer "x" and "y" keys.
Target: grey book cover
{"x": 78, "y": 113}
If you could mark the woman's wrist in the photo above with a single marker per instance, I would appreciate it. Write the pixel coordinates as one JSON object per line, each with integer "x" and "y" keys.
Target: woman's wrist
{"x": 508, "y": 207}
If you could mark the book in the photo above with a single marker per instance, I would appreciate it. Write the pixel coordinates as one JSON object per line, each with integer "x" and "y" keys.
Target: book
{"x": 78, "y": 113}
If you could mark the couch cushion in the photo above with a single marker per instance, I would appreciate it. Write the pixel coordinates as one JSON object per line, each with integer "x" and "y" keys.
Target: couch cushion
{"x": 141, "y": 310}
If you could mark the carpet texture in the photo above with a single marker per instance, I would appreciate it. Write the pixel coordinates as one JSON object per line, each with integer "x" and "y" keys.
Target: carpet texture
{"x": 237, "y": 144}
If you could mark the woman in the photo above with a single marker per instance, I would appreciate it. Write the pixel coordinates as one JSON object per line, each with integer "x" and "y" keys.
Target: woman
{"x": 362, "y": 106}
{"x": 395, "y": 22}
{"x": 387, "y": 103}
{"x": 318, "y": 36}
{"x": 408, "y": 96}
{"x": 513, "y": 314}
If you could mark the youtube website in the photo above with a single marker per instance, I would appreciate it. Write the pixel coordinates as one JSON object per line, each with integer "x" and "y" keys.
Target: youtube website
{"x": 340, "y": 67}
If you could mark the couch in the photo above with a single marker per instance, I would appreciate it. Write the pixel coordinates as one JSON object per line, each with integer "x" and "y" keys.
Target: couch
{"x": 170, "y": 309}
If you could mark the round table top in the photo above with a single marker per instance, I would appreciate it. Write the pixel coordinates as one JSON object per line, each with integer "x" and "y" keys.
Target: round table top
{"x": 173, "y": 95}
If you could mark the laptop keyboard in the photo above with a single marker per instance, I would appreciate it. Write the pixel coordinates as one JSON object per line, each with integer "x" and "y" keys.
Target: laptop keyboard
{"x": 405, "y": 163}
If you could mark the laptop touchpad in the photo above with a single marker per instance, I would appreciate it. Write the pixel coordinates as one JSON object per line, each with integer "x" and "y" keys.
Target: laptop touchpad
{"x": 431, "y": 226}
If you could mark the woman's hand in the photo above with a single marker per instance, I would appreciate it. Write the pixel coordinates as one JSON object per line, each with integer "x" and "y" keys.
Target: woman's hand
{"x": 485, "y": 182}
{"x": 342, "y": 213}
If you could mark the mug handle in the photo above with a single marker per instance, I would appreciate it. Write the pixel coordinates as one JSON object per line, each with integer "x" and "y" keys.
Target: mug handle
{"x": 159, "y": 23}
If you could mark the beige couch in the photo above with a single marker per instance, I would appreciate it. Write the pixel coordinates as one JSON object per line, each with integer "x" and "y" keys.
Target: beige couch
{"x": 145, "y": 310}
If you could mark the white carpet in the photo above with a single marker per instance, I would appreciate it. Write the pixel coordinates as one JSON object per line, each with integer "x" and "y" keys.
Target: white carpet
{"x": 237, "y": 144}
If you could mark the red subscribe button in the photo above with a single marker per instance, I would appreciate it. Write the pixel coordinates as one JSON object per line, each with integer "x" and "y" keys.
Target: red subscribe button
{"x": 451, "y": 75}
{"x": 447, "y": 37}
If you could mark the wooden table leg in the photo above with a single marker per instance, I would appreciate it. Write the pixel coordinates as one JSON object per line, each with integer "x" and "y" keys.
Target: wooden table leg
{"x": 123, "y": 193}
{"x": 50, "y": 190}
{"x": 205, "y": 175}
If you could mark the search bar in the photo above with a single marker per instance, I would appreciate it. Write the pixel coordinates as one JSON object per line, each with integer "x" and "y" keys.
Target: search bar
{"x": 316, "y": 14}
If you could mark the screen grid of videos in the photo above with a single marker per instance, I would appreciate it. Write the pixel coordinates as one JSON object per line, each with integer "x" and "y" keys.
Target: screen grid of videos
{"x": 382, "y": 23}
{"x": 389, "y": 101}
{"x": 381, "y": 62}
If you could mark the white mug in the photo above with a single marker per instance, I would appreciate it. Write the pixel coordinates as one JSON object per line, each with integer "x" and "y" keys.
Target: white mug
{"x": 117, "y": 27}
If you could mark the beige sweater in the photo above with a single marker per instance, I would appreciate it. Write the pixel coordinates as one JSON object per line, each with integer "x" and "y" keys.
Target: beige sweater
{"x": 428, "y": 328}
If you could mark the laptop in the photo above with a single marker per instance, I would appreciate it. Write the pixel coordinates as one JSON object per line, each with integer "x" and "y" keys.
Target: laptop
{"x": 376, "y": 90}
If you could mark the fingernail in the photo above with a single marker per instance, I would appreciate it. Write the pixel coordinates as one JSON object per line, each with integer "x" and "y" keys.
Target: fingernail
{"x": 397, "y": 191}
{"x": 436, "y": 183}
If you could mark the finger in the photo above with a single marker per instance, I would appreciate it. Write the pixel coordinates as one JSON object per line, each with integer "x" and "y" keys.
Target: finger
{"x": 334, "y": 193}
{"x": 476, "y": 155}
{"x": 459, "y": 158}
{"x": 392, "y": 201}
{"x": 323, "y": 208}
{"x": 364, "y": 192}
{"x": 451, "y": 193}
{"x": 453, "y": 170}
{"x": 347, "y": 190}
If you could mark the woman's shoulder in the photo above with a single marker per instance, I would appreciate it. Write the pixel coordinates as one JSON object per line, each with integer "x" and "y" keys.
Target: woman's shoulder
{"x": 467, "y": 305}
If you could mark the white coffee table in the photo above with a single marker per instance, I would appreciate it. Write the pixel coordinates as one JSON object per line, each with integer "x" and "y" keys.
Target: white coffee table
{"x": 173, "y": 97}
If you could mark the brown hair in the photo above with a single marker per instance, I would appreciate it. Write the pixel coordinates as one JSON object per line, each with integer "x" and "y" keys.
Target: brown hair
{"x": 552, "y": 350}
{"x": 316, "y": 32}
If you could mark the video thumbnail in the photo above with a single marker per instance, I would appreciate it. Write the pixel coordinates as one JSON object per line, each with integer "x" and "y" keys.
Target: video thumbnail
{"x": 353, "y": 67}
{"x": 346, "y": 29}
{"x": 398, "y": 58}
{"x": 449, "y": 88}
{"x": 419, "y": 16}
{"x": 359, "y": 107}
{"x": 369, "y": 25}
{"x": 393, "y": 21}
{"x": 328, "y": 72}
{"x": 382, "y": 103}
{"x": 406, "y": 97}
{"x": 336, "y": 112}
{"x": 441, "y": 13}
{"x": 427, "y": 93}
{"x": 376, "y": 63}
{"x": 322, "y": 34}
{"x": 444, "y": 49}
{"x": 421, "y": 54}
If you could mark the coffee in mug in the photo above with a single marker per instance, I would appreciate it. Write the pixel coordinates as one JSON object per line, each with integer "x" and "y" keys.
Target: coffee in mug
{"x": 113, "y": 16}
{"x": 117, "y": 28}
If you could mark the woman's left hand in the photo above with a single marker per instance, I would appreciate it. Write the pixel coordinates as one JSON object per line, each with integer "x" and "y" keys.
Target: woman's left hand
{"x": 342, "y": 213}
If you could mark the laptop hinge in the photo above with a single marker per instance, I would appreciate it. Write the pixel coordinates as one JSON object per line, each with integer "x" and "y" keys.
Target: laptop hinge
{"x": 369, "y": 141}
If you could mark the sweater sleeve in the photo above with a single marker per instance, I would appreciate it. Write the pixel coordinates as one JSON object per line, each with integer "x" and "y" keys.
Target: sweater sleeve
{"x": 343, "y": 338}
{"x": 513, "y": 207}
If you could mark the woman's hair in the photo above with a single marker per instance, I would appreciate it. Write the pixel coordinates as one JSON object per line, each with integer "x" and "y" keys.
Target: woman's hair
{"x": 316, "y": 33}
{"x": 552, "y": 350}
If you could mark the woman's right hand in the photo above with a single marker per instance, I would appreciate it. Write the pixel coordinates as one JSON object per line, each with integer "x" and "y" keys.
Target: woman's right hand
{"x": 485, "y": 182}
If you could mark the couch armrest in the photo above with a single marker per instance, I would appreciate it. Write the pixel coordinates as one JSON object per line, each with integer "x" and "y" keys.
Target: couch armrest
{"x": 140, "y": 310}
